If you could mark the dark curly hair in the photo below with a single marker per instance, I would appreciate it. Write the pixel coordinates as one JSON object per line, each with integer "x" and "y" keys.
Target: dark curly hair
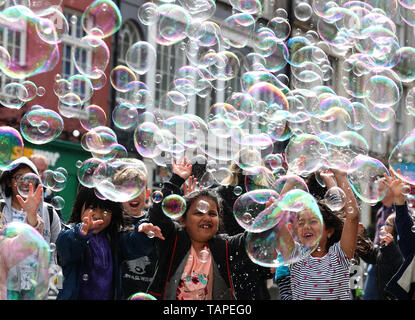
{"x": 206, "y": 193}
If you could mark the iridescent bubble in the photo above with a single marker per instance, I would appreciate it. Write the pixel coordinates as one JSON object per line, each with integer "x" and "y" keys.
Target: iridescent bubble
{"x": 172, "y": 24}
{"x": 335, "y": 198}
{"x": 243, "y": 22}
{"x": 259, "y": 178}
{"x": 281, "y": 28}
{"x": 86, "y": 172}
{"x": 99, "y": 52}
{"x": 251, "y": 6}
{"x": 44, "y": 56}
{"x": 102, "y": 18}
{"x": 141, "y": 57}
{"x": 125, "y": 116}
{"x": 41, "y": 126}
{"x": 147, "y": 138}
{"x": 96, "y": 117}
{"x": 303, "y": 11}
{"x": 52, "y": 25}
{"x": 288, "y": 182}
{"x": 120, "y": 179}
{"x": 203, "y": 206}
{"x": 141, "y": 296}
{"x": 11, "y": 146}
{"x": 382, "y": 91}
{"x": 31, "y": 252}
{"x": 24, "y": 182}
{"x": 173, "y": 206}
{"x": 273, "y": 97}
{"x": 406, "y": 60}
{"x": 238, "y": 190}
{"x": 121, "y": 78}
{"x": 147, "y": 13}
{"x": 75, "y": 90}
{"x": 253, "y": 212}
{"x": 365, "y": 175}
{"x": 54, "y": 180}
{"x": 157, "y": 196}
{"x": 285, "y": 243}
{"x": 99, "y": 140}
{"x": 402, "y": 158}
{"x": 13, "y": 95}
{"x": 58, "y": 202}
{"x": 204, "y": 255}
{"x": 200, "y": 10}
{"x": 304, "y": 154}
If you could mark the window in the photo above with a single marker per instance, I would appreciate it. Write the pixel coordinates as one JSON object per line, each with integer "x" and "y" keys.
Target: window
{"x": 128, "y": 36}
{"x": 169, "y": 60}
{"x": 14, "y": 41}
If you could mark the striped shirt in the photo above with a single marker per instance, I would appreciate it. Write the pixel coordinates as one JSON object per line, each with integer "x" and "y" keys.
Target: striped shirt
{"x": 325, "y": 278}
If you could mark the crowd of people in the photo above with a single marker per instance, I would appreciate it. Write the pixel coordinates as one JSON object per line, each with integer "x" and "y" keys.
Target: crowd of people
{"x": 111, "y": 250}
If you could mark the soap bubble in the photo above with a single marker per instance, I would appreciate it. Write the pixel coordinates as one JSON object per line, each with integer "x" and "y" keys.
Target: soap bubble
{"x": 141, "y": 296}
{"x": 402, "y": 158}
{"x": 141, "y": 57}
{"x": 31, "y": 253}
{"x": 365, "y": 175}
{"x": 11, "y": 145}
{"x": 335, "y": 198}
{"x": 252, "y": 210}
{"x": 120, "y": 179}
{"x": 58, "y": 202}
{"x": 40, "y": 126}
{"x": 24, "y": 182}
{"x": 285, "y": 243}
{"x": 157, "y": 196}
{"x": 203, "y": 206}
{"x": 102, "y": 18}
{"x": 173, "y": 206}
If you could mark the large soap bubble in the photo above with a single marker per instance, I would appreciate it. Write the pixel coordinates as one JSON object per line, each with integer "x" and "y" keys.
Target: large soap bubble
{"x": 252, "y": 212}
{"x": 40, "y": 125}
{"x": 365, "y": 175}
{"x": 11, "y": 145}
{"x": 21, "y": 246}
{"x": 120, "y": 179}
{"x": 402, "y": 158}
{"x": 296, "y": 234}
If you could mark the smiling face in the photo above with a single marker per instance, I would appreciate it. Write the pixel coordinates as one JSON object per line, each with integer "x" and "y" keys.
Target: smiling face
{"x": 98, "y": 214}
{"x": 309, "y": 228}
{"x": 201, "y": 226}
{"x": 135, "y": 207}
{"x": 15, "y": 179}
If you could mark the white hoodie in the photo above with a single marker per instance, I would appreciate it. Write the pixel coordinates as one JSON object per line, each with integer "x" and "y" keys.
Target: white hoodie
{"x": 50, "y": 232}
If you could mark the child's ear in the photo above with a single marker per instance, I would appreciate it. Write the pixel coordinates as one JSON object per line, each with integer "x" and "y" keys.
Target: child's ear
{"x": 182, "y": 222}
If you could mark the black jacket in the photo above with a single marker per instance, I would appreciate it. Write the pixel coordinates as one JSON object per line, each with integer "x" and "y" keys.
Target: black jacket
{"x": 228, "y": 253}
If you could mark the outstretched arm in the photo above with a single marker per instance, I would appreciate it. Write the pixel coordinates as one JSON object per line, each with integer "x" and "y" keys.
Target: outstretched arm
{"x": 348, "y": 240}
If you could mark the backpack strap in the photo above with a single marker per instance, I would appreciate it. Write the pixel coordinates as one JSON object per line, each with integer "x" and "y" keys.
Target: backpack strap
{"x": 50, "y": 210}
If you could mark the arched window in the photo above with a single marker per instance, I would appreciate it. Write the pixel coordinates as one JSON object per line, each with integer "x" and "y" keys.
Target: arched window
{"x": 128, "y": 36}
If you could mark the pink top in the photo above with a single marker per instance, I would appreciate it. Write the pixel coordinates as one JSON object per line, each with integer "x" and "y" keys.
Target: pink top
{"x": 195, "y": 282}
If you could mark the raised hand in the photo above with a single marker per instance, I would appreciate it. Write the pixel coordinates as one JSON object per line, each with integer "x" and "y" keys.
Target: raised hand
{"x": 88, "y": 224}
{"x": 150, "y": 230}
{"x": 31, "y": 204}
{"x": 183, "y": 169}
{"x": 396, "y": 186}
{"x": 190, "y": 185}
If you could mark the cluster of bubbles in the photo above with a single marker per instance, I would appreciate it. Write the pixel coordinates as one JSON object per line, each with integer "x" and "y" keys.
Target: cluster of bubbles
{"x": 325, "y": 126}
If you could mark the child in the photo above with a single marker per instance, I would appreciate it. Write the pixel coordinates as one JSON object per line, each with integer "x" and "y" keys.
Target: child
{"x": 387, "y": 257}
{"x": 324, "y": 274}
{"x": 137, "y": 270}
{"x": 89, "y": 251}
{"x": 32, "y": 210}
{"x": 402, "y": 284}
{"x": 196, "y": 263}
